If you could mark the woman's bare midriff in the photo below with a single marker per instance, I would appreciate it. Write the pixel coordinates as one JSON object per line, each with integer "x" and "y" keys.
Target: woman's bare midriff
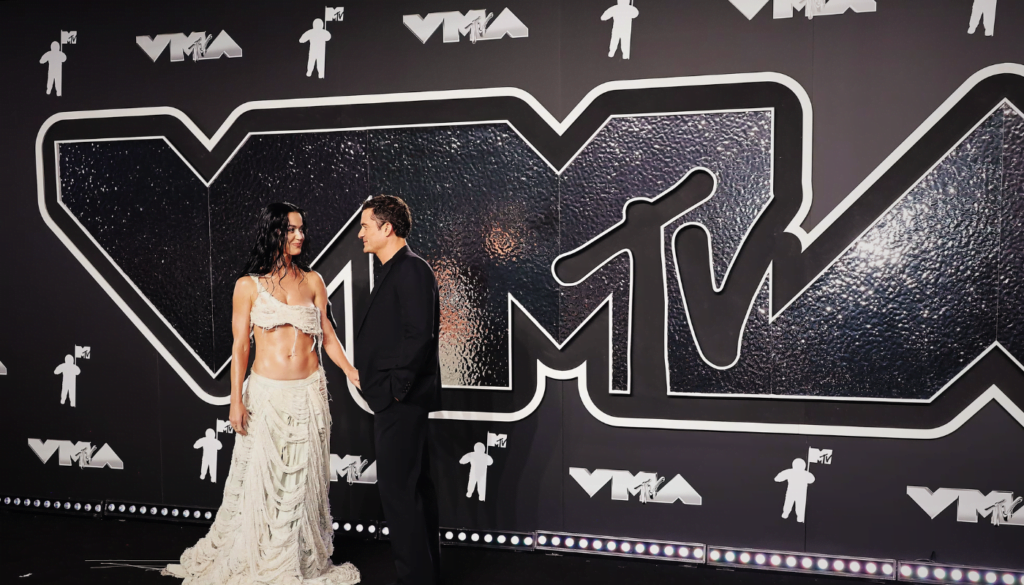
{"x": 273, "y": 349}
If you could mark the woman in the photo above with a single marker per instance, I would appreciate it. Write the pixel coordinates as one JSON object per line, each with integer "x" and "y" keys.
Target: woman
{"x": 274, "y": 524}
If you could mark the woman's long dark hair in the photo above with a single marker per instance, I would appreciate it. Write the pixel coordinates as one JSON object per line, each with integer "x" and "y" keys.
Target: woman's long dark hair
{"x": 267, "y": 254}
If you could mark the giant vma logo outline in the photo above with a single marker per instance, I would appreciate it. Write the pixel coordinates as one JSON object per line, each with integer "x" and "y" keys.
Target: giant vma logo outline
{"x": 776, "y": 252}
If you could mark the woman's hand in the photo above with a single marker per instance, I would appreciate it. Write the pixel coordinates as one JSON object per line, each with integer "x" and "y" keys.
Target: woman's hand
{"x": 239, "y": 418}
{"x": 353, "y": 376}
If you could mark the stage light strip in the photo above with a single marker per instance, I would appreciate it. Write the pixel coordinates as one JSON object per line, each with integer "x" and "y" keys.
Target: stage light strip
{"x": 488, "y": 538}
{"x": 565, "y": 542}
{"x": 73, "y": 506}
{"x": 792, "y": 562}
{"x": 941, "y": 573}
{"x": 146, "y": 511}
{"x": 363, "y": 529}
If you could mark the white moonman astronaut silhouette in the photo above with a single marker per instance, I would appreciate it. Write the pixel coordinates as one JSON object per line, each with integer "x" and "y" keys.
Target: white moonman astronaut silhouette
{"x": 70, "y": 372}
{"x": 796, "y": 494}
{"x": 983, "y": 10}
{"x": 622, "y": 15}
{"x": 210, "y": 445}
{"x": 55, "y": 58}
{"x": 317, "y": 38}
{"x": 478, "y": 461}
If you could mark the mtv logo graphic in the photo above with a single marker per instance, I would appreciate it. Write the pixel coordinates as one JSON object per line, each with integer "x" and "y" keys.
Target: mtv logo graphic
{"x": 334, "y": 14}
{"x": 81, "y": 452}
{"x": 196, "y": 44}
{"x": 474, "y": 24}
{"x": 1000, "y": 507}
{"x": 224, "y": 426}
{"x": 69, "y": 37}
{"x": 499, "y": 441}
{"x": 823, "y": 456}
{"x": 3, "y": 369}
{"x": 83, "y": 352}
{"x": 354, "y": 469}
{"x": 645, "y": 485}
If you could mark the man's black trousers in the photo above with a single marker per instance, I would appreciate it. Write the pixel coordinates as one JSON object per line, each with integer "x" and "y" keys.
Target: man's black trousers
{"x": 407, "y": 492}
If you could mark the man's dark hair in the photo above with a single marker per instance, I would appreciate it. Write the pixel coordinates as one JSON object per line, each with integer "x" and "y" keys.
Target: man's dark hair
{"x": 391, "y": 209}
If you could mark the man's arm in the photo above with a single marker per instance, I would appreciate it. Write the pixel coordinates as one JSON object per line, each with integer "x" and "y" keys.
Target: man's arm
{"x": 416, "y": 313}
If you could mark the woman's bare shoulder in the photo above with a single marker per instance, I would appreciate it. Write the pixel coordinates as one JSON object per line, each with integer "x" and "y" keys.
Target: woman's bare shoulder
{"x": 316, "y": 281}
{"x": 245, "y": 285}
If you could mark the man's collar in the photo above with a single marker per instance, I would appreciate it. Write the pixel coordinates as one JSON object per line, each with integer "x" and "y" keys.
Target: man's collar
{"x": 399, "y": 252}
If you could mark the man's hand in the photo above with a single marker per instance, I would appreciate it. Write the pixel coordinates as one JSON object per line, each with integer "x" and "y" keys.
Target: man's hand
{"x": 353, "y": 376}
{"x": 239, "y": 418}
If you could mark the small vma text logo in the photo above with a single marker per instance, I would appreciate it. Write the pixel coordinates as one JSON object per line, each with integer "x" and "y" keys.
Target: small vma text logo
{"x": 811, "y": 8}
{"x": 198, "y": 45}
{"x": 646, "y": 486}
{"x": 81, "y": 452}
{"x": 1000, "y": 507}
{"x": 476, "y": 24}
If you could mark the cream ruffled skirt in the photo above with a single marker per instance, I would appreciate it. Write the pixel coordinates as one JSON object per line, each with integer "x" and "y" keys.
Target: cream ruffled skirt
{"x": 274, "y": 525}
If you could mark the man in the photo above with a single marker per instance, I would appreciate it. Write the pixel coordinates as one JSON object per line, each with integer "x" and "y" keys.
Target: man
{"x": 400, "y": 378}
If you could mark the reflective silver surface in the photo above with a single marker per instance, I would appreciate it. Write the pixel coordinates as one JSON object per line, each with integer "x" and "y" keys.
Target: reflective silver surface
{"x": 932, "y": 284}
{"x": 486, "y": 219}
{"x": 914, "y": 299}
{"x": 1011, "y": 245}
{"x": 641, "y": 157}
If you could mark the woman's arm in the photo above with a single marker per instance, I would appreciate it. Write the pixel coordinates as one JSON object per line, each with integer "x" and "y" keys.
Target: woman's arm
{"x": 331, "y": 344}
{"x": 241, "y": 306}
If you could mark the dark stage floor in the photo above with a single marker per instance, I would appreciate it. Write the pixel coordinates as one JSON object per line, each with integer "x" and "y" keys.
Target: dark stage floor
{"x": 70, "y": 550}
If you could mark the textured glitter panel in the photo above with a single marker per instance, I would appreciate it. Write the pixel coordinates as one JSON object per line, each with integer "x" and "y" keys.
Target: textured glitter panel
{"x": 1011, "y": 261}
{"x": 691, "y": 374}
{"x": 321, "y": 172}
{"x": 148, "y": 211}
{"x": 642, "y": 157}
{"x": 485, "y": 216}
{"x": 914, "y": 300}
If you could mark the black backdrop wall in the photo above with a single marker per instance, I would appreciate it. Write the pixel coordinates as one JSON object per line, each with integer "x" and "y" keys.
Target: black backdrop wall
{"x": 759, "y": 239}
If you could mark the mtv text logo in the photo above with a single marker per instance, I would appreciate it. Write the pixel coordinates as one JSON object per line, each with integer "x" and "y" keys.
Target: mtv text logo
{"x": 81, "y": 452}
{"x": 354, "y": 469}
{"x": 198, "y": 45}
{"x": 476, "y": 24}
{"x": 999, "y": 507}
{"x": 334, "y": 13}
{"x": 811, "y": 8}
{"x": 646, "y": 486}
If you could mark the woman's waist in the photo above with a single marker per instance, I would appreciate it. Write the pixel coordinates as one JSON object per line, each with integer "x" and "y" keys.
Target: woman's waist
{"x": 275, "y": 364}
{"x": 285, "y": 380}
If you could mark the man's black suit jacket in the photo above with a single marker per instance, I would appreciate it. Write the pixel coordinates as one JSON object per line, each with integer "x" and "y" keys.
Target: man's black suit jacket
{"x": 396, "y": 343}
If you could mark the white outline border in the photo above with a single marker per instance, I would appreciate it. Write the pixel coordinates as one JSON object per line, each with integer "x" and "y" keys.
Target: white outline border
{"x": 794, "y": 227}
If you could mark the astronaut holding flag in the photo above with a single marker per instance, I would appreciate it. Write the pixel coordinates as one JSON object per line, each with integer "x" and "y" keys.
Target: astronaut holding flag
{"x": 479, "y": 460}
{"x": 621, "y": 15}
{"x": 798, "y": 478}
